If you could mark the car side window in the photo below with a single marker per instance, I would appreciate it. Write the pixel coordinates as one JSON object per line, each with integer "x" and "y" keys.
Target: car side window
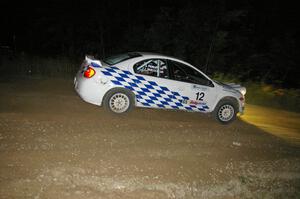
{"x": 152, "y": 67}
{"x": 184, "y": 73}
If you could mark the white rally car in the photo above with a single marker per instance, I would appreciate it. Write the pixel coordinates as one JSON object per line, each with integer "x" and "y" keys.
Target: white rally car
{"x": 121, "y": 82}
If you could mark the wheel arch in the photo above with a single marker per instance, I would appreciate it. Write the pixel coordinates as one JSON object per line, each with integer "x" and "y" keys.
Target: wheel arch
{"x": 119, "y": 88}
{"x": 229, "y": 98}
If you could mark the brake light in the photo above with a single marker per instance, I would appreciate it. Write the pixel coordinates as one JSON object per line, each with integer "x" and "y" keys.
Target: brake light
{"x": 90, "y": 72}
{"x": 242, "y": 98}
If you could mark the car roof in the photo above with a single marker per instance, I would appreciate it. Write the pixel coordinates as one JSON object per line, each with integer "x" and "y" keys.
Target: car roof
{"x": 151, "y": 54}
{"x": 159, "y": 55}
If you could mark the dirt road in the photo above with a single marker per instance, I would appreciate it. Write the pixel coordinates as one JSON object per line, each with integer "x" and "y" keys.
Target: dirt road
{"x": 54, "y": 145}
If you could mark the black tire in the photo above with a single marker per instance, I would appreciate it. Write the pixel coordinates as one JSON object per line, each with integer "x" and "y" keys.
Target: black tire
{"x": 118, "y": 101}
{"x": 225, "y": 111}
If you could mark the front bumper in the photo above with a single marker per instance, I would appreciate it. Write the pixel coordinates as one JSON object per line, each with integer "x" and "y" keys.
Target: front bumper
{"x": 242, "y": 110}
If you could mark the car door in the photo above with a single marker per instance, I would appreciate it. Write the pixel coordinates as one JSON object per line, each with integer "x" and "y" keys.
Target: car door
{"x": 153, "y": 88}
{"x": 198, "y": 89}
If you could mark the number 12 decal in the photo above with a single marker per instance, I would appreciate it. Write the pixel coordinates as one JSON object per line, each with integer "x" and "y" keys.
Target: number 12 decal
{"x": 199, "y": 96}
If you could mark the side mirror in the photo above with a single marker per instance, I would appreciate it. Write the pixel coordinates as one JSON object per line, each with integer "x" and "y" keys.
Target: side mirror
{"x": 210, "y": 84}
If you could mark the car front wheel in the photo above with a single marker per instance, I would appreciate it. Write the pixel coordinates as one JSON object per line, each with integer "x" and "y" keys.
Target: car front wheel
{"x": 225, "y": 111}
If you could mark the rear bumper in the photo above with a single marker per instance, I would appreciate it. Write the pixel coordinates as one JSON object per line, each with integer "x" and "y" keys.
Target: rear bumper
{"x": 88, "y": 90}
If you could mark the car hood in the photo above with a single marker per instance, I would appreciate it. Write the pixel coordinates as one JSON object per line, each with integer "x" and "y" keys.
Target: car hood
{"x": 233, "y": 86}
{"x": 237, "y": 87}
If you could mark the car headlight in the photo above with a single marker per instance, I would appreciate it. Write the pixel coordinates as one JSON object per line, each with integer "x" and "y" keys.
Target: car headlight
{"x": 243, "y": 90}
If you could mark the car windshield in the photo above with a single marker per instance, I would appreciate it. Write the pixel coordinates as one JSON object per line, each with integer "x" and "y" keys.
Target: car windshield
{"x": 119, "y": 58}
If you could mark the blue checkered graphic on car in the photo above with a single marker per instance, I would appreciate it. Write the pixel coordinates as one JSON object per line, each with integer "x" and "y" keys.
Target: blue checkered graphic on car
{"x": 149, "y": 93}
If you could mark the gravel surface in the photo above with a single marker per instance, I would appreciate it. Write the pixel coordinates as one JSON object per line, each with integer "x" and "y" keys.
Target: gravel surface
{"x": 54, "y": 145}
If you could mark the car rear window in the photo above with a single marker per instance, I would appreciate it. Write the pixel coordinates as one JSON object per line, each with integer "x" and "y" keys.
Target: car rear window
{"x": 119, "y": 58}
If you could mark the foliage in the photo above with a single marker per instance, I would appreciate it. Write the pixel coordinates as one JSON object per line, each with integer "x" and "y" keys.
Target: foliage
{"x": 37, "y": 66}
{"x": 268, "y": 95}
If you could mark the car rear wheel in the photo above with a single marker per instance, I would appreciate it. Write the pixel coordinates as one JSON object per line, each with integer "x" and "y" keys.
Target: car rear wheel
{"x": 225, "y": 111}
{"x": 118, "y": 101}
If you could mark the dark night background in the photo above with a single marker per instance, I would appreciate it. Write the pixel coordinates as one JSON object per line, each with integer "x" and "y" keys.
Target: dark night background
{"x": 253, "y": 40}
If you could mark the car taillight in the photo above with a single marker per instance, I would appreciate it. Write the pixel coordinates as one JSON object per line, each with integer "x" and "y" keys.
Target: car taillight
{"x": 90, "y": 72}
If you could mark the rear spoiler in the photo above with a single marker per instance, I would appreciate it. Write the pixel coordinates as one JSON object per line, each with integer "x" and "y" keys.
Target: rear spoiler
{"x": 92, "y": 61}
